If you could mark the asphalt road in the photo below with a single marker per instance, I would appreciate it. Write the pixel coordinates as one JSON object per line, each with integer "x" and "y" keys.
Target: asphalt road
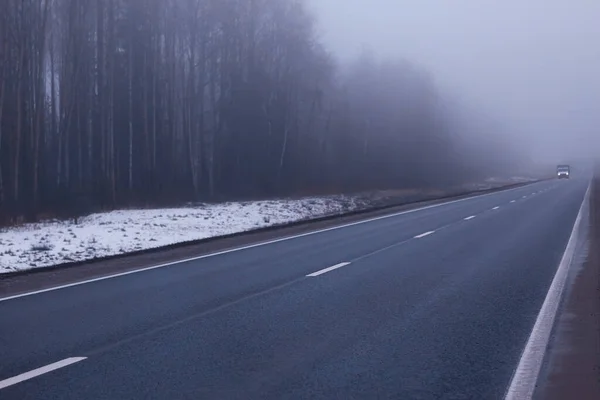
{"x": 434, "y": 303}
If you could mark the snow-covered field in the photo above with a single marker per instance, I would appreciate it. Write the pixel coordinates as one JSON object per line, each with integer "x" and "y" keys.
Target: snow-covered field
{"x": 98, "y": 235}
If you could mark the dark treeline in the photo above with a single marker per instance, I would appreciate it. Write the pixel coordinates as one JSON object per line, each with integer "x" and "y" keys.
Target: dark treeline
{"x": 141, "y": 102}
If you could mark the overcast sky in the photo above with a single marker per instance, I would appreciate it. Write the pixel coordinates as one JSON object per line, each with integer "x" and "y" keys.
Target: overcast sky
{"x": 534, "y": 64}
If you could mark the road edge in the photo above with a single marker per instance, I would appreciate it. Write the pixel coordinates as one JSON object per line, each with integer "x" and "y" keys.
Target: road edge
{"x": 340, "y": 223}
{"x": 525, "y": 377}
{"x": 272, "y": 228}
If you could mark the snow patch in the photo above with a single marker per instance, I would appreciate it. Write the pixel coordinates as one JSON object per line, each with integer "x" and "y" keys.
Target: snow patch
{"x": 98, "y": 235}
{"x": 55, "y": 242}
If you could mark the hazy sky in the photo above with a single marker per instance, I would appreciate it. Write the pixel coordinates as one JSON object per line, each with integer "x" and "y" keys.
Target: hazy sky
{"x": 534, "y": 64}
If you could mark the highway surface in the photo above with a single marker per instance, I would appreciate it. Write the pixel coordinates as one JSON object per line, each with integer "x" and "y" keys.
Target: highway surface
{"x": 433, "y": 303}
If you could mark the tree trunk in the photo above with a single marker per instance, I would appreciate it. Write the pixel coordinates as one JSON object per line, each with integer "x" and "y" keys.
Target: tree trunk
{"x": 102, "y": 169}
{"x": 111, "y": 105}
{"x": 17, "y": 147}
{"x": 2, "y": 91}
{"x": 130, "y": 90}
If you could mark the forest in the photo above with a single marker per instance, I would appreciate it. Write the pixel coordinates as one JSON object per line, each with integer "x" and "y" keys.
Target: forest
{"x": 121, "y": 103}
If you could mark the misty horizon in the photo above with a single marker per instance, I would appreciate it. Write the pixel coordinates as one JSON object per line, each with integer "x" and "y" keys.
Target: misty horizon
{"x": 530, "y": 67}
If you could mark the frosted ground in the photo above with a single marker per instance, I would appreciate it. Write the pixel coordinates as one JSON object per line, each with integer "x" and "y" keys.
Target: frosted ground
{"x": 98, "y": 235}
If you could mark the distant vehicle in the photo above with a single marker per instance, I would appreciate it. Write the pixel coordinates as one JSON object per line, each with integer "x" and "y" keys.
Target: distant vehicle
{"x": 563, "y": 172}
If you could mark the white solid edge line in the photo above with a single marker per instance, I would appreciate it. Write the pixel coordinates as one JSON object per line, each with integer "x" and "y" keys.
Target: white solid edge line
{"x": 469, "y": 218}
{"x": 495, "y": 208}
{"x": 39, "y": 371}
{"x": 422, "y": 235}
{"x": 326, "y": 270}
{"x": 254, "y": 245}
{"x": 523, "y": 382}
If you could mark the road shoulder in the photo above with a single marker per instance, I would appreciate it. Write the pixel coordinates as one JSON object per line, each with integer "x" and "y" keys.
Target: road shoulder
{"x": 572, "y": 363}
{"x": 44, "y": 278}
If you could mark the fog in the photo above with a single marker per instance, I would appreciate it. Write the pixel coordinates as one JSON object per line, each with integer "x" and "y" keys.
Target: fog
{"x": 533, "y": 66}
{"x": 153, "y": 103}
